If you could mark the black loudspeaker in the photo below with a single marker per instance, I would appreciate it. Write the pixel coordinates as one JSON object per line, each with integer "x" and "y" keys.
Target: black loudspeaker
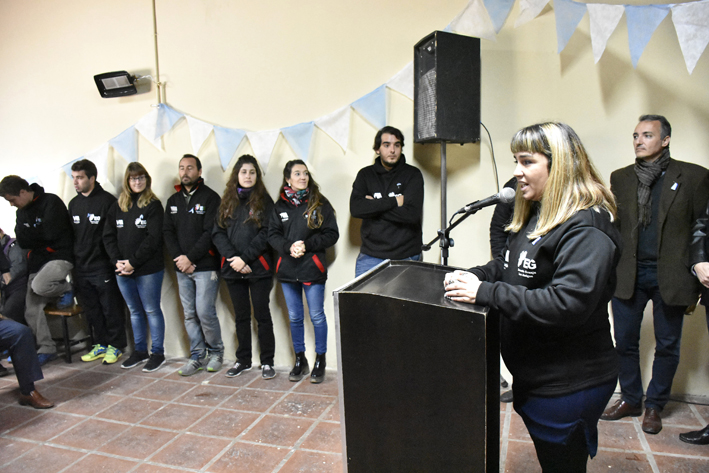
{"x": 447, "y": 88}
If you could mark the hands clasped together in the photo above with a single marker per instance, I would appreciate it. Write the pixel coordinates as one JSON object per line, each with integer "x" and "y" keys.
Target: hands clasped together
{"x": 461, "y": 286}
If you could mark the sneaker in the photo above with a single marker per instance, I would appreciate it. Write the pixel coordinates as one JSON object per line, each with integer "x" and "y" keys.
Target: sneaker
{"x": 191, "y": 367}
{"x": 267, "y": 372}
{"x": 136, "y": 358}
{"x": 45, "y": 358}
{"x": 112, "y": 355}
{"x": 66, "y": 300}
{"x": 98, "y": 351}
{"x": 215, "y": 362}
{"x": 154, "y": 362}
{"x": 237, "y": 369}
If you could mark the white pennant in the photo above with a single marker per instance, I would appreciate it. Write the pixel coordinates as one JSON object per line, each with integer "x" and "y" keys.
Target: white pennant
{"x": 99, "y": 157}
{"x": 147, "y": 126}
{"x": 604, "y": 20}
{"x": 403, "y": 81}
{"x": 691, "y": 22}
{"x": 474, "y": 20}
{"x": 262, "y": 142}
{"x": 337, "y": 125}
{"x": 529, "y": 9}
{"x": 199, "y": 132}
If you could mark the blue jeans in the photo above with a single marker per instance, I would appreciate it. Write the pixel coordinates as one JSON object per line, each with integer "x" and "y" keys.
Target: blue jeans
{"x": 627, "y": 319}
{"x": 315, "y": 294}
{"x": 142, "y": 296}
{"x": 366, "y": 262}
{"x": 198, "y": 294}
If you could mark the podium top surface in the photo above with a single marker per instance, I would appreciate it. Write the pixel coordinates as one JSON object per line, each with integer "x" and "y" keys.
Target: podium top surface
{"x": 408, "y": 280}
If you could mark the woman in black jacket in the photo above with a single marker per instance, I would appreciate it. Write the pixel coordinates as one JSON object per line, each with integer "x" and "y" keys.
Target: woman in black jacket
{"x": 241, "y": 236}
{"x": 302, "y": 227}
{"x": 133, "y": 239}
{"x": 551, "y": 286}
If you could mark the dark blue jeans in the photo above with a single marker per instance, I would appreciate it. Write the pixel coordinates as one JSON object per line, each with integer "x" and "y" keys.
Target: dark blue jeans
{"x": 627, "y": 319}
{"x": 19, "y": 341}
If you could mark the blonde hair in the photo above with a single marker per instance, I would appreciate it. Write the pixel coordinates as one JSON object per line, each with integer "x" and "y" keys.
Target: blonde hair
{"x": 574, "y": 183}
{"x": 125, "y": 201}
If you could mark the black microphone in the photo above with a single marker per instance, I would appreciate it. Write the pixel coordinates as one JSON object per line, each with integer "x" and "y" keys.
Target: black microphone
{"x": 506, "y": 195}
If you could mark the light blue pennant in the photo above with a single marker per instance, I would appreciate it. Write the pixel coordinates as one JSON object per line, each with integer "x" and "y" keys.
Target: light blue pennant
{"x": 498, "y": 10}
{"x": 67, "y": 166}
{"x": 642, "y": 23}
{"x": 228, "y": 140}
{"x": 373, "y": 107}
{"x": 126, "y": 144}
{"x": 568, "y": 15}
{"x": 167, "y": 117}
{"x": 299, "y": 137}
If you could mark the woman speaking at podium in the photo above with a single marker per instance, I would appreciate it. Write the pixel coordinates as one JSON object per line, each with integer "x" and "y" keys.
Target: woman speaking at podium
{"x": 551, "y": 286}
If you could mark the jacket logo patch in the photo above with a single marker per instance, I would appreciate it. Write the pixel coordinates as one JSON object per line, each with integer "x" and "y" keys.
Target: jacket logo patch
{"x": 94, "y": 219}
{"x": 284, "y": 216}
{"x": 377, "y": 195}
{"x": 140, "y": 222}
{"x": 392, "y": 194}
{"x": 77, "y": 219}
{"x": 119, "y": 223}
{"x": 526, "y": 266}
{"x": 173, "y": 209}
{"x": 198, "y": 209}
{"x": 37, "y": 222}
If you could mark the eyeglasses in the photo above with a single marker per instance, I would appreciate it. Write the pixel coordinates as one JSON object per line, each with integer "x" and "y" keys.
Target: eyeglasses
{"x": 136, "y": 179}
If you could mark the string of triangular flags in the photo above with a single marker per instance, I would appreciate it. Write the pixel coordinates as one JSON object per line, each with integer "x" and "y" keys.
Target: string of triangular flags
{"x": 480, "y": 18}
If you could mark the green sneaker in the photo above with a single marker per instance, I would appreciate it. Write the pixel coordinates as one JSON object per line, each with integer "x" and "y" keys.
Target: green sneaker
{"x": 98, "y": 351}
{"x": 112, "y": 355}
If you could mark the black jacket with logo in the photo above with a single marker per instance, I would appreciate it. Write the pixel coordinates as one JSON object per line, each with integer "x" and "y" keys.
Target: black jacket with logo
{"x": 552, "y": 294}
{"x": 88, "y": 215}
{"x": 247, "y": 240}
{"x": 389, "y": 231}
{"x": 288, "y": 225}
{"x": 43, "y": 229}
{"x": 188, "y": 230}
{"x": 136, "y": 235}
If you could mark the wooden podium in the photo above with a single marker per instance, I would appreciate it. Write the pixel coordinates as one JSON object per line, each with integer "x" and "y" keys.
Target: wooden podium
{"x": 418, "y": 374}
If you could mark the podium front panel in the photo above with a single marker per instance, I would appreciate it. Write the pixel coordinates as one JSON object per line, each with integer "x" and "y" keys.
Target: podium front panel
{"x": 419, "y": 374}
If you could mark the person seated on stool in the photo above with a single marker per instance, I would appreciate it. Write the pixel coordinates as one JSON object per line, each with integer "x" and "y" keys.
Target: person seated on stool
{"x": 19, "y": 341}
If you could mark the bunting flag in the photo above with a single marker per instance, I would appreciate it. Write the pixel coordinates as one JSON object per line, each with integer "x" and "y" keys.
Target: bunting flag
{"x": 67, "y": 167}
{"x": 568, "y": 15}
{"x": 228, "y": 140}
{"x": 642, "y": 23}
{"x": 474, "y": 21}
{"x": 604, "y": 20}
{"x": 529, "y": 10}
{"x": 403, "y": 81}
{"x": 199, "y": 132}
{"x": 126, "y": 144}
{"x": 99, "y": 157}
{"x": 690, "y": 20}
{"x": 498, "y": 10}
{"x": 158, "y": 122}
{"x": 262, "y": 143}
{"x": 299, "y": 137}
{"x": 336, "y": 125}
{"x": 373, "y": 107}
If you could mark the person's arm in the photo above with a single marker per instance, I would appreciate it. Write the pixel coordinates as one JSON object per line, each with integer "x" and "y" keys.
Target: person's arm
{"x": 328, "y": 234}
{"x": 220, "y": 237}
{"x": 276, "y": 234}
{"x": 412, "y": 209}
{"x": 501, "y": 217}
{"x": 204, "y": 243}
{"x": 259, "y": 243}
{"x": 18, "y": 261}
{"x": 169, "y": 231}
{"x": 153, "y": 214}
{"x": 110, "y": 234}
{"x": 362, "y": 203}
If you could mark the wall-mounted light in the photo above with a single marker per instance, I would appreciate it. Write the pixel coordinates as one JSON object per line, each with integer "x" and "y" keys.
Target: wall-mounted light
{"x": 116, "y": 84}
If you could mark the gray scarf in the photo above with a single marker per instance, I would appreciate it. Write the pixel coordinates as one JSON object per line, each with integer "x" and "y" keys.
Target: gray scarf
{"x": 648, "y": 174}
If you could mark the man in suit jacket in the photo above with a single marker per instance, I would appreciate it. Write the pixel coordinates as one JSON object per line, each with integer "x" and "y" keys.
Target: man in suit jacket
{"x": 659, "y": 199}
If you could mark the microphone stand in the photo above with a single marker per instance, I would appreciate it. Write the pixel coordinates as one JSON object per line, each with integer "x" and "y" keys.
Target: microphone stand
{"x": 446, "y": 241}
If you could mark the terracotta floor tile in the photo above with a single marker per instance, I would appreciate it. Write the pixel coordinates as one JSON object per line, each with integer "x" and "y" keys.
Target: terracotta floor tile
{"x": 9, "y": 394}
{"x": 242, "y": 380}
{"x": 281, "y": 431}
{"x": 86, "y": 380}
{"x": 137, "y": 442}
{"x": 94, "y": 463}
{"x": 325, "y": 437}
{"x": 521, "y": 458}
{"x": 313, "y": 462}
{"x": 334, "y": 413}
{"x": 46, "y": 426}
{"x": 704, "y": 412}
{"x": 279, "y": 383}
{"x": 147, "y": 468}
{"x": 622, "y": 462}
{"x": 90, "y": 434}
{"x": 667, "y": 441}
{"x": 255, "y": 400}
{"x": 224, "y": 423}
{"x": 303, "y": 405}
{"x": 197, "y": 378}
{"x": 59, "y": 372}
{"x": 667, "y": 464}
{"x": 518, "y": 431}
{"x": 163, "y": 390}
{"x": 680, "y": 413}
{"x": 190, "y": 451}
{"x": 326, "y": 388}
{"x": 87, "y": 404}
{"x": 14, "y": 415}
{"x": 58, "y": 395}
{"x": 44, "y": 459}
{"x": 175, "y": 416}
{"x": 249, "y": 458}
{"x": 206, "y": 395}
{"x": 125, "y": 384}
{"x": 13, "y": 448}
{"x": 618, "y": 434}
{"x": 130, "y": 410}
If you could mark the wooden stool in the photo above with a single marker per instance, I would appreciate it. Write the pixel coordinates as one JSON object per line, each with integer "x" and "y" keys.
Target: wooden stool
{"x": 51, "y": 309}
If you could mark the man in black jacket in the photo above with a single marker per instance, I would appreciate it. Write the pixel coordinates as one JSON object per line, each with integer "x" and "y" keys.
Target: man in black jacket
{"x": 187, "y": 229}
{"x": 42, "y": 228}
{"x": 95, "y": 278}
{"x": 388, "y": 197}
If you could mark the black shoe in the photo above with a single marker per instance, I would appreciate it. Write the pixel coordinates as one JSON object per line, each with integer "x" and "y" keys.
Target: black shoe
{"x": 318, "y": 375}
{"x": 300, "y": 368}
{"x": 697, "y": 437}
{"x": 507, "y": 396}
{"x": 237, "y": 369}
{"x": 154, "y": 362}
{"x": 3, "y": 371}
{"x": 136, "y": 358}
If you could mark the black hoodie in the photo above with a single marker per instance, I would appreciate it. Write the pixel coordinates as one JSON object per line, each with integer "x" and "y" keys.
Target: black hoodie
{"x": 88, "y": 215}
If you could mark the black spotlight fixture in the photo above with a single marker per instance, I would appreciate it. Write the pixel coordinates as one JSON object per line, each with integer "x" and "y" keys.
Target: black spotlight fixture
{"x": 115, "y": 84}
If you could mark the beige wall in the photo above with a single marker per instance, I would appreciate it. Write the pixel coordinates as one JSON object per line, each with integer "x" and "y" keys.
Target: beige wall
{"x": 270, "y": 64}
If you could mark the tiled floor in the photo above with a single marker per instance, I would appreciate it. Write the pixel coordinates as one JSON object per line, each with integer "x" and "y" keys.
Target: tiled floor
{"x": 111, "y": 420}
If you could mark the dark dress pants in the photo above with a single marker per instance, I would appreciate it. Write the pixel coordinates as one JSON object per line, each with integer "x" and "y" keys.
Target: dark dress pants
{"x": 99, "y": 296}
{"x": 19, "y": 341}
